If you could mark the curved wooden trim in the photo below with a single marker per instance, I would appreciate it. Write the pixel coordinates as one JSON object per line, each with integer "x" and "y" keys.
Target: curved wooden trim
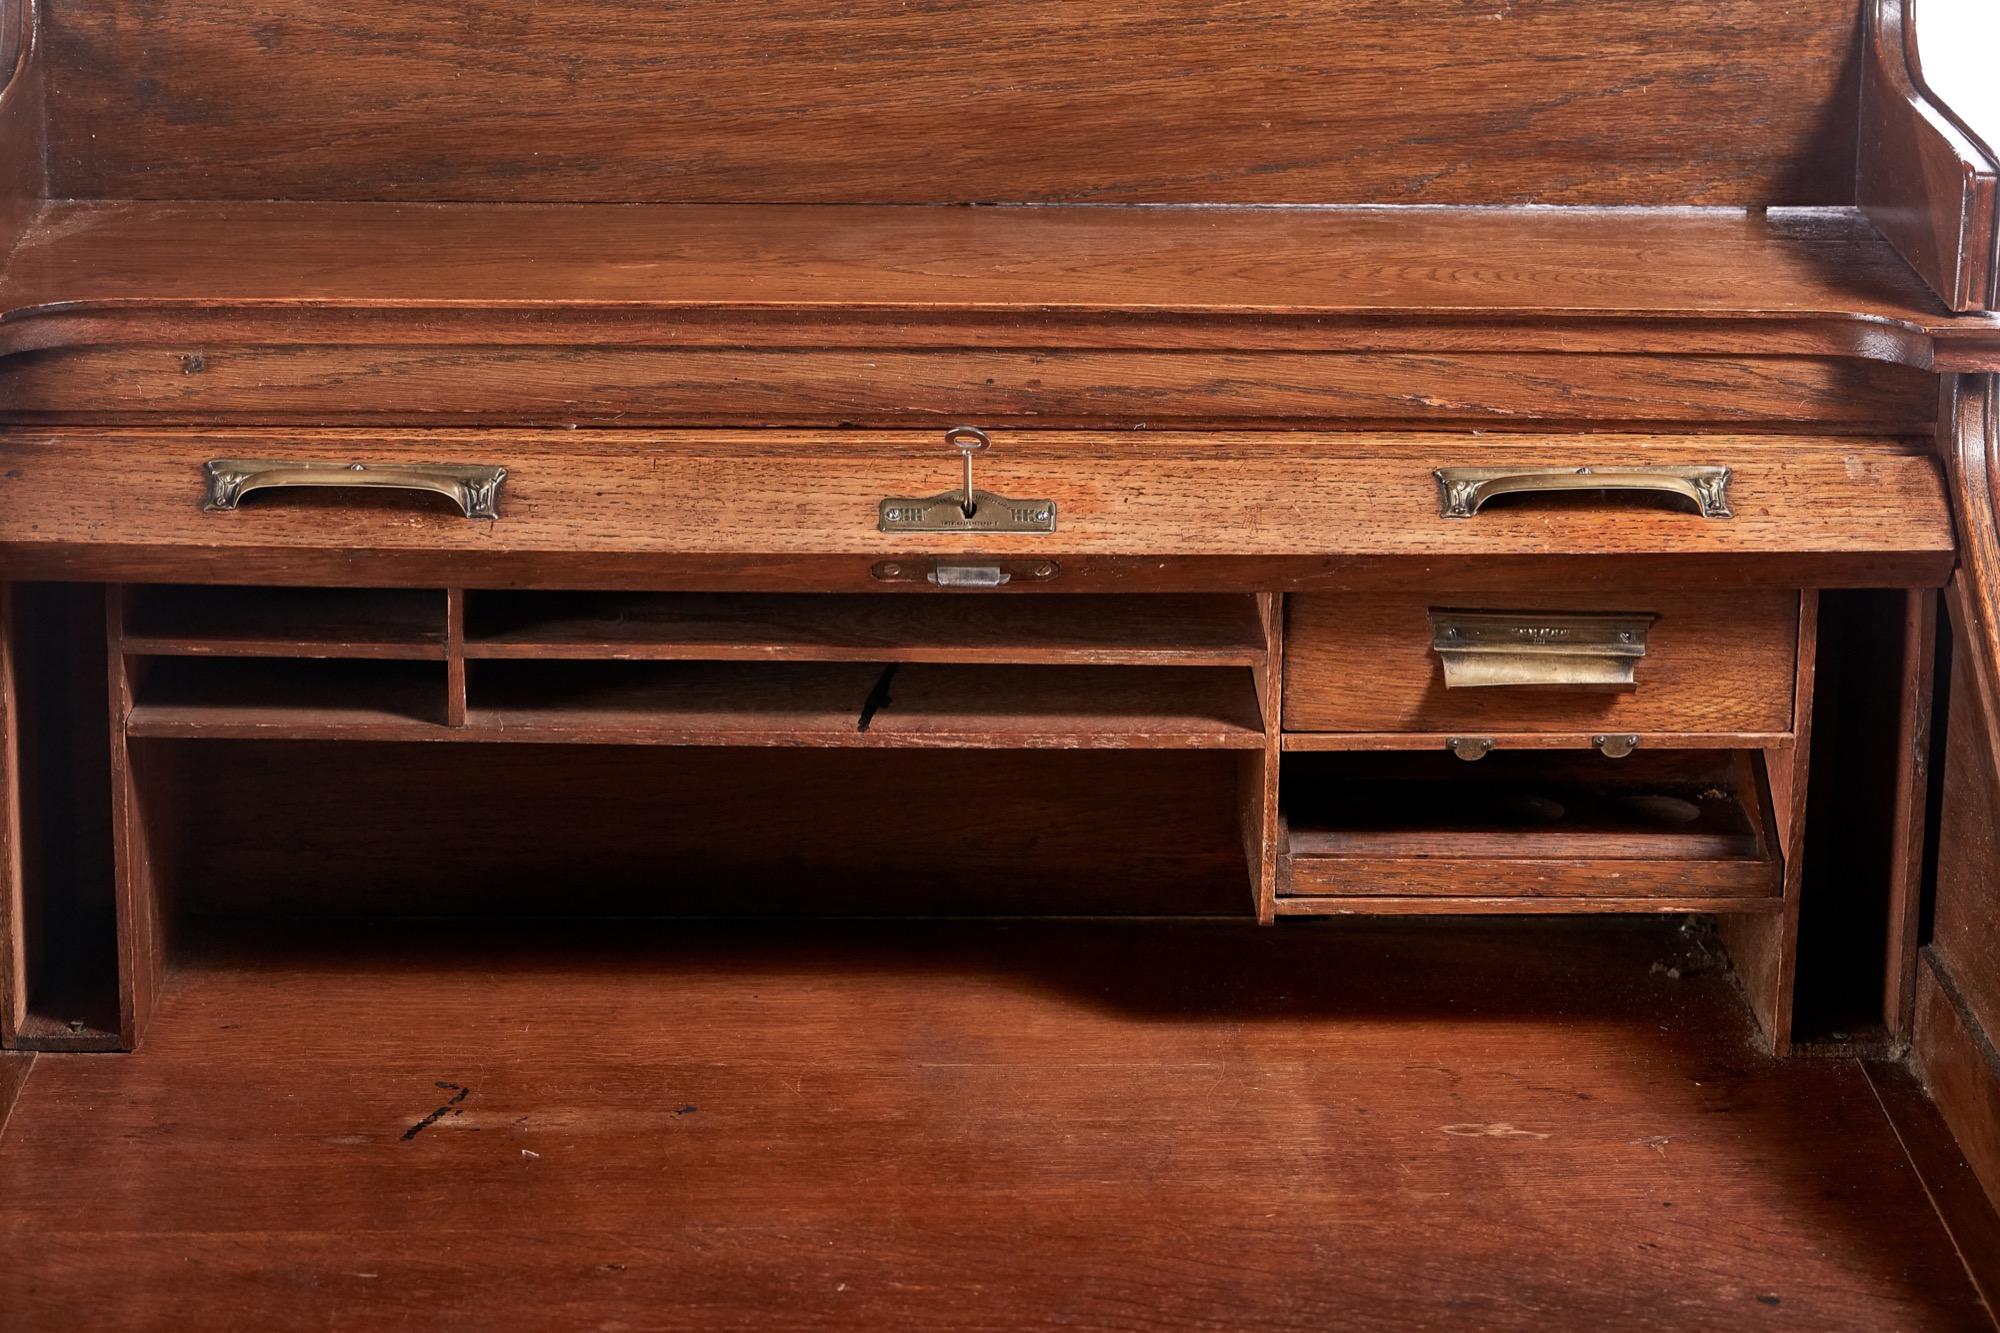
{"x": 1970, "y": 424}
{"x": 1926, "y": 179}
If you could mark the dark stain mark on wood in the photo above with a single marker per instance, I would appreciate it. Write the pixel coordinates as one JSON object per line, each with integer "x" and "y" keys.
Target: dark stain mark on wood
{"x": 450, "y": 1107}
{"x": 877, "y": 700}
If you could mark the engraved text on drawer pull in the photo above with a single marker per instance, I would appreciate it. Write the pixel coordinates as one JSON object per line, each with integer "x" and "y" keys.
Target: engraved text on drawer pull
{"x": 1535, "y": 649}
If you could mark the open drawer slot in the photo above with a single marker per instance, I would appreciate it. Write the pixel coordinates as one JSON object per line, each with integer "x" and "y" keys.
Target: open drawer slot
{"x": 1548, "y": 829}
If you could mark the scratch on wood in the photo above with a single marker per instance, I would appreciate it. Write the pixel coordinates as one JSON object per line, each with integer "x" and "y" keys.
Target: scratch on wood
{"x": 450, "y": 1107}
{"x": 1494, "y": 1131}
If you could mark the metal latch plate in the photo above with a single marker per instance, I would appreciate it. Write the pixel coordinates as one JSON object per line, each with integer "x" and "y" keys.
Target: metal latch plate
{"x": 946, "y": 513}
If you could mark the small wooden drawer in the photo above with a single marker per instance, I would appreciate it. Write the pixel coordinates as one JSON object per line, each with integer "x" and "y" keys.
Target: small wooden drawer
{"x": 1717, "y": 668}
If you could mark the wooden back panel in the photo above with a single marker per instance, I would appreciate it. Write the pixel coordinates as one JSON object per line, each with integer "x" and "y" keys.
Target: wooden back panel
{"x": 1340, "y": 101}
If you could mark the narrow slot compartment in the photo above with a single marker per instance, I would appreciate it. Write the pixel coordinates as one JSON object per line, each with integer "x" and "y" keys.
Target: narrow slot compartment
{"x": 1545, "y": 830}
{"x": 63, "y": 945}
{"x": 181, "y": 620}
{"x": 1041, "y": 627}
{"x": 279, "y": 698}
{"x": 669, "y": 703}
{"x": 861, "y": 704}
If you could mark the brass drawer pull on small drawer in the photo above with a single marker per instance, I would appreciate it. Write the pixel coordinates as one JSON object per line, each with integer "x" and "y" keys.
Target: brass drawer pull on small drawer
{"x": 1466, "y": 489}
{"x": 1561, "y": 650}
{"x": 474, "y": 488}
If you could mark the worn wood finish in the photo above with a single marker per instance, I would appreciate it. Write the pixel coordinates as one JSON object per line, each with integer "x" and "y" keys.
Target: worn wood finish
{"x": 23, "y": 123}
{"x": 14, "y": 1067}
{"x": 971, "y": 1127}
{"x": 1961, "y": 1070}
{"x": 202, "y": 379}
{"x": 758, "y": 101}
{"x": 1052, "y": 630}
{"x": 1718, "y": 665}
{"x": 1926, "y": 178}
{"x": 637, "y": 831}
{"x": 1796, "y": 283}
{"x": 776, "y": 510}
{"x": 1953, "y": 1188}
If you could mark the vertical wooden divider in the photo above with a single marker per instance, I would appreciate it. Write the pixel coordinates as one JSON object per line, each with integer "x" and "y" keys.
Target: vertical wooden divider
{"x": 1911, "y": 812}
{"x": 1257, "y": 771}
{"x": 1764, "y": 947}
{"x": 141, "y": 930}
{"x": 14, "y": 961}
{"x": 454, "y": 647}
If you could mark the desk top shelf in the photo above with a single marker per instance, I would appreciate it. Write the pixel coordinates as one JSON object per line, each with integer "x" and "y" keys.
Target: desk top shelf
{"x": 1813, "y": 281}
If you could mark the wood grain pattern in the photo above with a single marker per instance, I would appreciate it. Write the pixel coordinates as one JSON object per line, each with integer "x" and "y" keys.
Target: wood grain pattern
{"x": 1953, "y": 1188}
{"x": 1055, "y": 629}
{"x": 777, "y": 510}
{"x": 1672, "y": 101}
{"x": 1365, "y": 663}
{"x": 1910, "y": 815}
{"x": 836, "y": 262}
{"x": 1956, "y": 1059}
{"x": 1258, "y": 807}
{"x": 1094, "y": 1125}
{"x": 143, "y": 915}
{"x": 1925, "y": 178}
{"x": 23, "y": 121}
{"x": 1527, "y": 883}
{"x": 1764, "y": 951}
{"x": 14, "y": 1068}
{"x": 842, "y": 704}
{"x": 1967, "y": 894}
{"x": 201, "y": 378}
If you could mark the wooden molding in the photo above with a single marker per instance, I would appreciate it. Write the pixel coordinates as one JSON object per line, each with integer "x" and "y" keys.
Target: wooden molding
{"x": 1928, "y": 180}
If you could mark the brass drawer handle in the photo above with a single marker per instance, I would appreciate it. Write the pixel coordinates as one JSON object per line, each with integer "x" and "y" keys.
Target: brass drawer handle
{"x": 1534, "y": 649}
{"x": 1465, "y": 489}
{"x": 474, "y": 488}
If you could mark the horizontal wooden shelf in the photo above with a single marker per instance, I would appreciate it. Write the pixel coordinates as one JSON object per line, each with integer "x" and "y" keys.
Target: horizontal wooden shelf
{"x": 818, "y": 704}
{"x": 1495, "y": 905}
{"x": 170, "y": 620}
{"x": 1338, "y": 742}
{"x": 1811, "y": 278}
{"x": 260, "y": 697}
{"x": 853, "y": 704}
{"x": 903, "y": 627}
